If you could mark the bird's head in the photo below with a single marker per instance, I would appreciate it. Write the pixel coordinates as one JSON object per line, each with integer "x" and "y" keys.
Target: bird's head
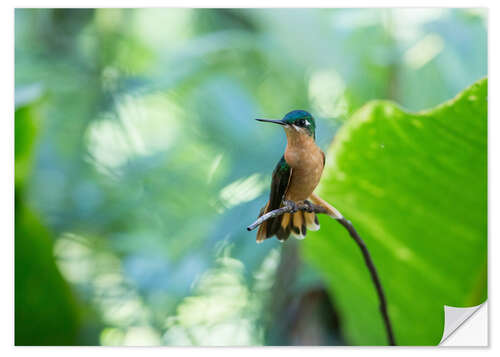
{"x": 298, "y": 121}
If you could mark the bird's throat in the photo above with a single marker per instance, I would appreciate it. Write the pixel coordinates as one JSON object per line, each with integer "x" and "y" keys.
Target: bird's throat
{"x": 300, "y": 147}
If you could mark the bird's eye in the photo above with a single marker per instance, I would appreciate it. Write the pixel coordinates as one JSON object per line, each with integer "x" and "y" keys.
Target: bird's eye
{"x": 301, "y": 122}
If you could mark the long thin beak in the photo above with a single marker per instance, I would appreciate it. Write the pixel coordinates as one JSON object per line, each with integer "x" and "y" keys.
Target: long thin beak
{"x": 280, "y": 122}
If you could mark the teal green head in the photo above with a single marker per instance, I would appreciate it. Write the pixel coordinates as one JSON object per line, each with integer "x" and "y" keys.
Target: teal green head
{"x": 299, "y": 120}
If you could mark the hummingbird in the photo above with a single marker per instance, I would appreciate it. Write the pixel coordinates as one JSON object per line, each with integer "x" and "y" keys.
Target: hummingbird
{"x": 294, "y": 180}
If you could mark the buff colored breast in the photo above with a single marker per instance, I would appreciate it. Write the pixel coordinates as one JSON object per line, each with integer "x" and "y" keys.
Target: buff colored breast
{"x": 306, "y": 160}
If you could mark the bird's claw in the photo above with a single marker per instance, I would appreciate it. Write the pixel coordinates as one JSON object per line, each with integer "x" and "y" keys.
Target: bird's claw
{"x": 309, "y": 206}
{"x": 291, "y": 204}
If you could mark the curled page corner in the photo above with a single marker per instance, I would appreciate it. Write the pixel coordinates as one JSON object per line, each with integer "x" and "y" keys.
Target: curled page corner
{"x": 456, "y": 316}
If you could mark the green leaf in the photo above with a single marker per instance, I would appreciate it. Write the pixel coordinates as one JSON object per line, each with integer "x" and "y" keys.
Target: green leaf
{"x": 414, "y": 185}
{"x": 46, "y": 311}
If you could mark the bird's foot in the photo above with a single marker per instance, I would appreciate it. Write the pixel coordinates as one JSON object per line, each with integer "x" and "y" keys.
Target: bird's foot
{"x": 309, "y": 206}
{"x": 291, "y": 204}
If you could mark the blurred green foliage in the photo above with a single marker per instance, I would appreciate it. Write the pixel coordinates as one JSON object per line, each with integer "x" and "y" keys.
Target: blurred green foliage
{"x": 416, "y": 191}
{"x": 40, "y": 288}
{"x": 137, "y": 153}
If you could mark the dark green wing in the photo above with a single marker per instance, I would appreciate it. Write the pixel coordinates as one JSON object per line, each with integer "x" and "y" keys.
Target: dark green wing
{"x": 279, "y": 184}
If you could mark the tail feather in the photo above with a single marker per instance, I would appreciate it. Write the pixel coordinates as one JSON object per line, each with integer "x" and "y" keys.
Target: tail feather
{"x": 262, "y": 231}
{"x": 312, "y": 222}
{"x": 284, "y": 229}
{"x": 299, "y": 225}
{"x": 332, "y": 211}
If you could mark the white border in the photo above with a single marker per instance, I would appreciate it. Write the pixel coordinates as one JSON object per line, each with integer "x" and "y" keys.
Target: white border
{"x": 7, "y": 157}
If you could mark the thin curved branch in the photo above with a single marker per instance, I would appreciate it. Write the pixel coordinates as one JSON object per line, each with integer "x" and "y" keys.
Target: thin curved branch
{"x": 359, "y": 241}
{"x": 283, "y": 210}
